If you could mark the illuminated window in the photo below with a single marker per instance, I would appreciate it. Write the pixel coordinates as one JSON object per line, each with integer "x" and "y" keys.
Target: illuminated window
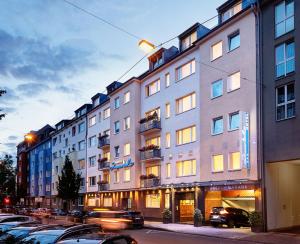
{"x": 168, "y": 110}
{"x": 117, "y": 176}
{"x": 168, "y": 170}
{"x": 152, "y": 201}
{"x": 127, "y": 174}
{"x": 234, "y": 82}
{"x": 106, "y": 113}
{"x": 167, "y": 80}
{"x": 167, "y": 200}
{"x": 186, "y": 135}
{"x": 107, "y": 155}
{"x": 127, "y": 97}
{"x": 107, "y": 202}
{"x": 216, "y": 50}
{"x": 127, "y": 149}
{"x": 152, "y": 170}
{"x": 127, "y": 123}
{"x": 153, "y": 88}
{"x": 168, "y": 140}
{"x": 92, "y": 181}
{"x": 92, "y": 121}
{"x": 186, "y": 168}
{"x": 81, "y": 164}
{"x": 218, "y": 163}
{"x": 185, "y": 70}
{"x": 186, "y": 103}
{"x": 188, "y": 41}
{"x": 153, "y": 141}
{"x": 232, "y": 11}
{"x": 234, "y": 161}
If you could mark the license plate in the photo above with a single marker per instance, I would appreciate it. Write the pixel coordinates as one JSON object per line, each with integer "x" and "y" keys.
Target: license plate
{"x": 215, "y": 216}
{"x": 137, "y": 218}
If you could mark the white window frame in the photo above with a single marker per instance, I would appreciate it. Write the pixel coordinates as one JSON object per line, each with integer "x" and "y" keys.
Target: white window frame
{"x": 213, "y": 50}
{"x": 126, "y": 97}
{"x": 126, "y": 123}
{"x": 229, "y": 161}
{"x": 191, "y": 135}
{"x": 92, "y": 121}
{"x": 212, "y": 89}
{"x": 230, "y": 119}
{"x": 229, "y": 80}
{"x": 212, "y": 164}
{"x": 192, "y": 70}
{"x": 155, "y": 83}
{"x": 179, "y": 102}
{"x": 167, "y": 80}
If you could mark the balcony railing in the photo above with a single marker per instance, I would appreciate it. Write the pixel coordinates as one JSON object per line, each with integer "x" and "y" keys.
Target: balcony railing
{"x": 103, "y": 142}
{"x": 103, "y": 187}
{"x": 150, "y": 182}
{"x": 150, "y": 126}
{"x": 103, "y": 165}
{"x": 154, "y": 154}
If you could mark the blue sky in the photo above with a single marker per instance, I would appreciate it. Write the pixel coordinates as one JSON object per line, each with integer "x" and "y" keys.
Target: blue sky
{"x": 53, "y": 57}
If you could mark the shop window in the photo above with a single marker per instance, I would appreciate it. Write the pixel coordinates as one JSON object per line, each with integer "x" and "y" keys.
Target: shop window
{"x": 152, "y": 201}
{"x": 107, "y": 202}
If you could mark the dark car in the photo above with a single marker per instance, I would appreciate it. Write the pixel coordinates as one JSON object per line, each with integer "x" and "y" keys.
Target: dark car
{"x": 58, "y": 212}
{"x": 232, "y": 217}
{"x": 96, "y": 238}
{"x": 53, "y": 236}
{"x": 7, "y": 209}
{"x": 137, "y": 220}
{"x": 78, "y": 213}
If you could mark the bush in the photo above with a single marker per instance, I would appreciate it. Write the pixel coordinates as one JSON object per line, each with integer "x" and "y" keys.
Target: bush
{"x": 255, "y": 219}
{"x": 167, "y": 214}
{"x": 198, "y": 216}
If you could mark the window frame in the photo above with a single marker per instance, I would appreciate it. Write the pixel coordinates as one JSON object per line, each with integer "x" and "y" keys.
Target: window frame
{"x": 93, "y": 118}
{"x": 212, "y": 90}
{"x": 192, "y": 96}
{"x": 231, "y": 37}
{"x": 229, "y": 87}
{"x": 229, "y": 161}
{"x": 128, "y": 95}
{"x": 230, "y": 119}
{"x": 115, "y": 123}
{"x": 167, "y": 80}
{"x": 192, "y": 64}
{"x": 125, "y": 128}
{"x": 285, "y": 59}
{"x": 167, "y": 110}
{"x": 191, "y": 134}
{"x": 193, "y": 171}
{"x": 147, "y": 90}
{"x": 117, "y": 103}
{"x": 213, "y": 125}
{"x": 285, "y": 103}
{"x": 212, "y": 58}
{"x": 284, "y": 2}
{"x": 213, "y": 164}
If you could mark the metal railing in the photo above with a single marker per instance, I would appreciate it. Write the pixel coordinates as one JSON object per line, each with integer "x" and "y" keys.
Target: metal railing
{"x": 151, "y": 154}
{"x": 150, "y": 182}
{"x": 149, "y": 125}
{"x": 103, "y": 141}
{"x": 103, "y": 165}
{"x": 103, "y": 187}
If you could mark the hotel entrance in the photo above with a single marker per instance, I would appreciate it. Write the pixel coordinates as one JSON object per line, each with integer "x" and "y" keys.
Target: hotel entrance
{"x": 184, "y": 207}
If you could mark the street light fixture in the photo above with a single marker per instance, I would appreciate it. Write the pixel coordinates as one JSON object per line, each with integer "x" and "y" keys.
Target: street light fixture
{"x": 146, "y": 46}
{"x": 28, "y": 137}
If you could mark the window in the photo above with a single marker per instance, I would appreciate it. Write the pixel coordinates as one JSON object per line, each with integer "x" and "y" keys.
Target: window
{"x": 234, "y": 161}
{"x": 216, "y": 50}
{"x": 157, "y": 111}
{"x": 127, "y": 174}
{"x": 117, "y": 151}
{"x": 218, "y": 163}
{"x": 153, "y": 88}
{"x": 217, "y": 127}
{"x": 127, "y": 149}
{"x": 186, "y": 168}
{"x": 285, "y": 58}
{"x": 167, "y": 80}
{"x": 117, "y": 102}
{"x": 168, "y": 110}
{"x": 167, "y": 200}
{"x": 93, "y": 141}
{"x": 117, "y": 176}
{"x": 232, "y": 11}
{"x": 234, "y": 121}
{"x": 117, "y": 127}
{"x": 92, "y": 121}
{"x": 217, "y": 89}
{"x": 127, "y": 123}
{"x": 92, "y": 181}
{"x": 152, "y": 170}
{"x": 73, "y": 130}
{"x": 168, "y": 170}
{"x": 188, "y": 41}
{"x": 152, "y": 201}
{"x": 92, "y": 161}
{"x": 234, "y": 81}
{"x": 106, "y": 113}
{"x": 81, "y": 127}
{"x": 234, "y": 41}
{"x": 168, "y": 140}
{"x": 106, "y": 132}
{"x": 284, "y": 17}
{"x": 81, "y": 145}
{"x": 153, "y": 141}
{"x": 285, "y": 102}
{"x": 186, "y": 103}
{"x": 186, "y": 135}
{"x": 99, "y": 116}
{"x": 127, "y": 97}
{"x": 81, "y": 164}
{"x": 107, "y": 202}
{"x": 54, "y": 141}
{"x": 107, "y": 155}
{"x": 185, "y": 70}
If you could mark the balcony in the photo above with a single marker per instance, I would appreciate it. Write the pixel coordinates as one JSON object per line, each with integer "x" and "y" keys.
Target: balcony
{"x": 103, "y": 164}
{"x": 103, "y": 186}
{"x": 150, "y": 154}
{"x": 150, "y": 126}
{"x": 104, "y": 142}
{"x": 147, "y": 183}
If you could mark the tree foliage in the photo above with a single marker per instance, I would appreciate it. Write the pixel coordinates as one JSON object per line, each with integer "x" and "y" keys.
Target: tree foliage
{"x": 2, "y": 115}
{"x": 7, "y": 177}
{"x": 68, "y": 182}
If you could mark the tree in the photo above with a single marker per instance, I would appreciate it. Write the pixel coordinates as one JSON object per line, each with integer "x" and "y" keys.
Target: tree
{"x": 68, "y": 182}
{"x": 7, "y": 178}
{"x": 1, "y": 114}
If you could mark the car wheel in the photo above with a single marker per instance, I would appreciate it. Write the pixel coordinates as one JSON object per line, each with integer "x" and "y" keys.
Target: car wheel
{"x": 215, "y": 225}
{"x": 230, "y": 223}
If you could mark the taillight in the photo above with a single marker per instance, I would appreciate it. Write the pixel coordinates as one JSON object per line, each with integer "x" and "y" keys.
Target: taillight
{"x": 223, "y": 212}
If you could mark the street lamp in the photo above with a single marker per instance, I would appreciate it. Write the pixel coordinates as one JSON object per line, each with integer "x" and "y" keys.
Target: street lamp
{"x": 146, "y": 46}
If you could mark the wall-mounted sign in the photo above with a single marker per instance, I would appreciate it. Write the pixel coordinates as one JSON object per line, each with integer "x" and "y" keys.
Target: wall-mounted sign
{"x": 245, "y": 141}
{"x": 230, "y": 187}
{"x": 124, "y": 164}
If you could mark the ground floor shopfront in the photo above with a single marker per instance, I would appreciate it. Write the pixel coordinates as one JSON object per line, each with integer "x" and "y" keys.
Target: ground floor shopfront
{"x": 39, "y": 202}
{"x": 181, "y": 199}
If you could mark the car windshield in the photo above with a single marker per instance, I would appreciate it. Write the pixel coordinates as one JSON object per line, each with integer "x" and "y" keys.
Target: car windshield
{"x": 5, "y": 227}
{"x": 18, "y": 233}
{"x": 40, "y": 239}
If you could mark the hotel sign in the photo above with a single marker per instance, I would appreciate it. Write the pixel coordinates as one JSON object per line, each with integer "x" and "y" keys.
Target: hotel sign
{"x": 245, "y": 140}
{"x": 124, "y": 164}
{"x": 230, "y": 187}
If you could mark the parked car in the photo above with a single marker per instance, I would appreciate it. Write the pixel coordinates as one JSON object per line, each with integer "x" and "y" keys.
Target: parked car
{"x": 58, "y": 212}
{"x": 6, "y": 226}
{"x": 137, "y": 220}
{"x": 232, "y": 217}
{"x": 41, "y": 212}
{"x": 7, "y": 209}
{"x": 25, "y": 211}
{"x": 13, "y": 218}
{"x": 77, "y": 213}
{"x": 59, "y": 234}
{"x": 96, "y": 238}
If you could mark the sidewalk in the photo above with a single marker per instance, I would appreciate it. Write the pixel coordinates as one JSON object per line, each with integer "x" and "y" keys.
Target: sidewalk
{"x": 244, "y": 234}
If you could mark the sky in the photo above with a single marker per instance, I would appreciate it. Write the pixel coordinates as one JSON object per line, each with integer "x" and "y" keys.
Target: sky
{"x": 54, "y": 57}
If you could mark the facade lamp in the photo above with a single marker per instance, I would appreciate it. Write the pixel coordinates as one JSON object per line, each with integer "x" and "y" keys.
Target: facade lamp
{"x": 146, "y": 46}
{"x": 29, "y": 137}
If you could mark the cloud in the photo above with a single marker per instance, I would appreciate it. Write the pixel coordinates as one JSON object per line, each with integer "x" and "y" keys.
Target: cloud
{"x": 113, "y": 56}
{"x": 38, "y": 60}
{"x": 10, "y": 145}
{"x": 12, "y": 138}
{"x": 32, "y": 89}
{"x": 9, "y": 96}
{"x": 66, "y": 89}
{"x": 43, "y": 101}
{"x": 8, "y": 110}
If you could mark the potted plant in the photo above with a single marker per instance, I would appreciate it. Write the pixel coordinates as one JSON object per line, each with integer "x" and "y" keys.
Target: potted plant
{"x": 143, "y": 177}
{"x": 256, "y": 221}
{"x": 102, "y": 182}
{"x": 167, "y": 216}
{"x": 102, "y": 160}
{"x": 151, "y": 176}
{"x": 198, "y": 217}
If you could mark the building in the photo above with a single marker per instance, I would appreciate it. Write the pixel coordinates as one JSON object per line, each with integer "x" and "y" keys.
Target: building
{"x": 279, "y": 47}
{"x": 40, "y": 167}
{"x": 69, "y": 139}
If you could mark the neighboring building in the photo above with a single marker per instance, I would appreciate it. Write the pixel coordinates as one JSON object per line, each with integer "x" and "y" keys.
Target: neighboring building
{"x": 280, "y": 46}
{"x": 40, "y": 167}
{"x": 69, "y": 139}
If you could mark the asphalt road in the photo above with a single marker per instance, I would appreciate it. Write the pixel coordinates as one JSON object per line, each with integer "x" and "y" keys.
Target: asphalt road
{"x": 150, "y": 236}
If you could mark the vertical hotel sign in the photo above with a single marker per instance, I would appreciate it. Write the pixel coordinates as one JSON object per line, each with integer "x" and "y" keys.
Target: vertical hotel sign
{"x": 245, "y": 140}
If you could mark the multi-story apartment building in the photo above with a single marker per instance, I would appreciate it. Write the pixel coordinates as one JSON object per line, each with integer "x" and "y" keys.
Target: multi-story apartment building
{"x": 40, "y": 167}
{"x": 280, "y": 47}
{"x": 69, "y": 139}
